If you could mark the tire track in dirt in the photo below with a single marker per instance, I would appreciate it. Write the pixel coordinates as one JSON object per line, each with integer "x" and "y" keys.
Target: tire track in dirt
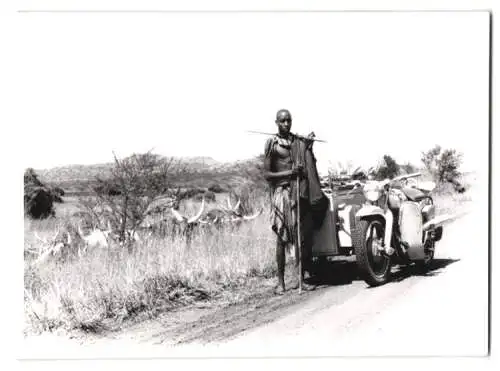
{"x": 214, "y": 323}
{"x": 234, "y": 320}
{"x": 339, "y": 286}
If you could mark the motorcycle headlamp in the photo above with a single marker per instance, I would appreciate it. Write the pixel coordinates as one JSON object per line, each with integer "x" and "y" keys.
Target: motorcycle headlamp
{"x": 371, "y": 192}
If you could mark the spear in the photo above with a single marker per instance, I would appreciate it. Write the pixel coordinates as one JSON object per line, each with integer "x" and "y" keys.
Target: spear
{"x": 299, "y": 136}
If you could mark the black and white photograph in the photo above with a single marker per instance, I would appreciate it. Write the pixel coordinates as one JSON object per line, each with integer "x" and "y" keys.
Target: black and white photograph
{"x": 259, "y": 183}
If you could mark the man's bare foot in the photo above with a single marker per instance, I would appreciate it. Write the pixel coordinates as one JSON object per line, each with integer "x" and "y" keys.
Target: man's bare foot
{"x": 305, "y": 286}
{"x": 279, "y": 290}
{"x": 295, "y": 285}
{"x": 308, "y": 287}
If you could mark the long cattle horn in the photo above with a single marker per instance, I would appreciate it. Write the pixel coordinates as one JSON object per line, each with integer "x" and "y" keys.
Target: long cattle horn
{"x": 237, "y": 205}
{"x": 253, "y": 216}
{"x": 231, "y": 208}
{"x": 177, "y": 215}
{"x": 197, "y": 216}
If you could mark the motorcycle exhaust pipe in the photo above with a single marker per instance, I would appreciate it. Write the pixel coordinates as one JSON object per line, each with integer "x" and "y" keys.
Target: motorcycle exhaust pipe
{"x": 437, "y": 221}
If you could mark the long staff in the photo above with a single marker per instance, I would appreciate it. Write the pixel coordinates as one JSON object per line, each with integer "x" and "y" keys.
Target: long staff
{"x": 299, "y": 241}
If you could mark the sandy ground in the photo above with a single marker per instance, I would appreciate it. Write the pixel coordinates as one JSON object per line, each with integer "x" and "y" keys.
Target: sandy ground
{"x": 444, "y": 312}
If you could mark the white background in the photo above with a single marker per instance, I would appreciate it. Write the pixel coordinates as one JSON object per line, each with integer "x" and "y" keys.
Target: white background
{"x": 30, "y": 93}
{"x": 191, "y": 84}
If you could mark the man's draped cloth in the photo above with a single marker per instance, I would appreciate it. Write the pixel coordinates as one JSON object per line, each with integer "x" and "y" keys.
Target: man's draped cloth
{"x": 283, "y": 215}
{"x": 284, "y": 194}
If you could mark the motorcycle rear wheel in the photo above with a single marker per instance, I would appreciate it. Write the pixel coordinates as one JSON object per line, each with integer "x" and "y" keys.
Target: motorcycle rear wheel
{"x": 374, "y": 268}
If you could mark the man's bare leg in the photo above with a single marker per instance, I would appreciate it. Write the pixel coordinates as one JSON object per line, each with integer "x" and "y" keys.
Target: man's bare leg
{"x": 305, "y": 266}
{"x": 280, "y": 260}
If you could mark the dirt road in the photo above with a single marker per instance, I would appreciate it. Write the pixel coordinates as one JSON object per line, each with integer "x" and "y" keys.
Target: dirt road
{"x": 443, "y": 312}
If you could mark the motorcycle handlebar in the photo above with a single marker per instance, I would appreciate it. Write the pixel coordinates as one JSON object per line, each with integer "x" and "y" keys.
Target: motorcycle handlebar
{"x": 386, "y": 182}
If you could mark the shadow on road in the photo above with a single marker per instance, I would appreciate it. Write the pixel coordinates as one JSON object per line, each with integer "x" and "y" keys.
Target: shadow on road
{"x": 334, "y": 274}
{"x": 344, "y": 273}
{"x": 433, "y": 269}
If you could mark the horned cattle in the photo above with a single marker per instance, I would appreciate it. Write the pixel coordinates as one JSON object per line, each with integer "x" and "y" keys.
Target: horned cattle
{"x": 54, "y": 248}
{"x": 167, "y": 220}
{"x": 185, "y": 226}
{"x": 228, "y": 215}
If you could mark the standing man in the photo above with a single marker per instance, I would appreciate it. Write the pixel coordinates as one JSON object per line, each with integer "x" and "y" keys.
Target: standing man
{"x": 287, "y": 157}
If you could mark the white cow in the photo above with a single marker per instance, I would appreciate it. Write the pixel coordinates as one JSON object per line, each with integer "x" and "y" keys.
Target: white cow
{"x": 53, "y": 248}
{"x": 96, "y": 238}
{"x": 103, "y": 238}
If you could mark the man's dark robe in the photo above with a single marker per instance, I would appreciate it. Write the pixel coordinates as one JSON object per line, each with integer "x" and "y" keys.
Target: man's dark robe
{"x": 310, "y": 188}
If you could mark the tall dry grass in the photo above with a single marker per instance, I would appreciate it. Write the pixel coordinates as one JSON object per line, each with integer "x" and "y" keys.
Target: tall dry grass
{"x": 108, "y": 286}
{"x": 448, "y": 201}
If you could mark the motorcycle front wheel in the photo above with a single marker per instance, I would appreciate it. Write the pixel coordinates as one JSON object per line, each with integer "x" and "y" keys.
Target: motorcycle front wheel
{"x": 367, "y": 238}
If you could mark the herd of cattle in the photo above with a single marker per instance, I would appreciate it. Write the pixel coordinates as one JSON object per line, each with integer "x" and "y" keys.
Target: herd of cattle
{"x": 163, "y": 220}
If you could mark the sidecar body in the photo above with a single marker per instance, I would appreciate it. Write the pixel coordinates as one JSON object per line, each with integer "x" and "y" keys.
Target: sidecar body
{"x": 333, "y": 238}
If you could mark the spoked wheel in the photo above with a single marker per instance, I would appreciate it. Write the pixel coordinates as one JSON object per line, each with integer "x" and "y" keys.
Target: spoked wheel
{"x": 367, "y": 239}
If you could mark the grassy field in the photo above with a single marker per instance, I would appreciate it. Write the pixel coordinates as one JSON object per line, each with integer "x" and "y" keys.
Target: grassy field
{"x": 115, "y": 285}
{"x": 106, "y": 287}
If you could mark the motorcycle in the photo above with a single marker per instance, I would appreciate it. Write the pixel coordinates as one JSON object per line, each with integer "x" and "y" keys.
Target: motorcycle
{"x": 381, "y": 223}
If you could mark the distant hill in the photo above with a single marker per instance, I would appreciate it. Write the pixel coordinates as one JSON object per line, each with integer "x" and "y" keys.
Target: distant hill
{"x": 71, "y": 173}
{"x": 202, "y": 171}
{"x": 89, "y": 172}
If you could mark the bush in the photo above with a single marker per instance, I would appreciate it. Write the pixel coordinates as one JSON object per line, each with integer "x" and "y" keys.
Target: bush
{"x": 38, "y": 199}
{"x": 38, "y": 202}
{"x": 190, "y": 193}
{"x": 31, "y": 178}
{"x": 59, "y": 191}
{"x": 216, "y": 188}
{"x": 107, "y": 188}
{"x": 55, "y": 197}
{"x": 208, "y": 196}
{"x": 408, "y": 168}
{"x": 388, "y": 169}
{"x": 448, "y": 165}
{"x": 125, "y": 198}
{"x": 443, "y": 164}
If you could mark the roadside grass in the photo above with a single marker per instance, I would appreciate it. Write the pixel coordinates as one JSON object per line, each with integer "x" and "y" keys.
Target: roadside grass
{"x": 108, "y": 286}
{"x": 448, "y": 201}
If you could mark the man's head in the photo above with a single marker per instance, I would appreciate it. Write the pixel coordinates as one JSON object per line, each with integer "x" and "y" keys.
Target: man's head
{"x": 284, "y": 121}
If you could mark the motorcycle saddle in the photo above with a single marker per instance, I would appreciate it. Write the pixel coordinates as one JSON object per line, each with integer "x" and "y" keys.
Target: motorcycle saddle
{"x": 414, "y": 194}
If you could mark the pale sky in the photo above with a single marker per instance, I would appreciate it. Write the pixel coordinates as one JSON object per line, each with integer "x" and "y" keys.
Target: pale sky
{"x": 191, "y": 84}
